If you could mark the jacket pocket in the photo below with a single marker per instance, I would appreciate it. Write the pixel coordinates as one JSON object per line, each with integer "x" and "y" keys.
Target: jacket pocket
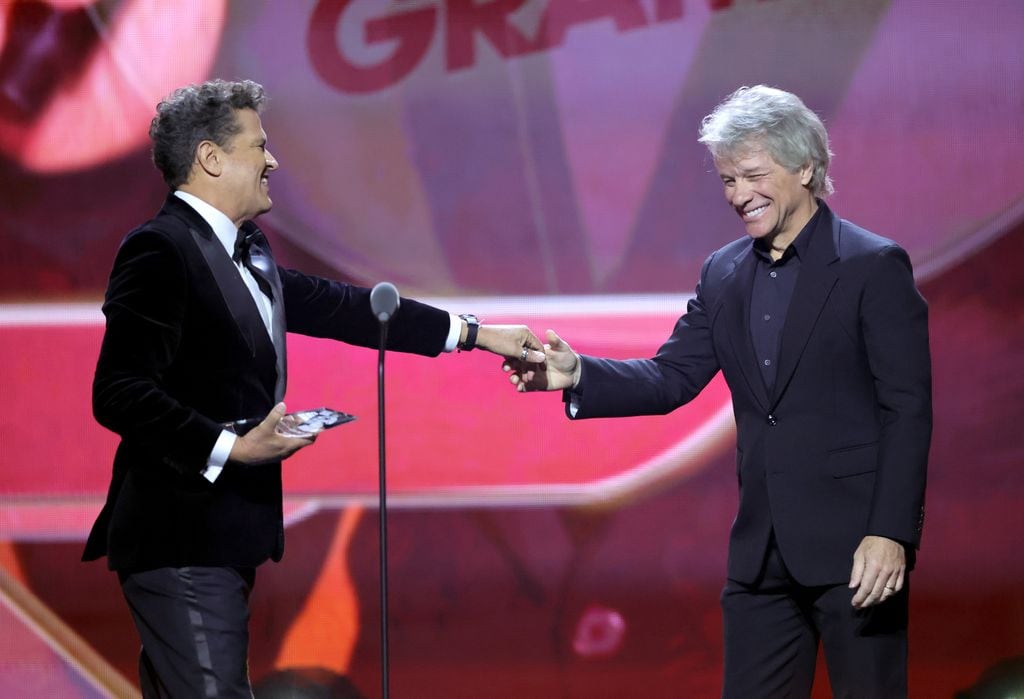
{"x": 853, "y": 460}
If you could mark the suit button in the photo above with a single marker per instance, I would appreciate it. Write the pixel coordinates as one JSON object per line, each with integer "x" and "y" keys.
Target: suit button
{"x": 771, "y": 420}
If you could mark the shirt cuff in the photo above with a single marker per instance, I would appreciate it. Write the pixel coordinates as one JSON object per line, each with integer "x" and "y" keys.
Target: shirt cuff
{"x": 574, "y": 395}
{"x": 454, "y": 331}
{"x": 219, "y": 455}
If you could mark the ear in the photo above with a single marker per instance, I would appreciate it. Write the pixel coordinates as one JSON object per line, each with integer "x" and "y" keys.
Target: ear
{"x": 806, "y": 174}
{"x": 208, "y": 158}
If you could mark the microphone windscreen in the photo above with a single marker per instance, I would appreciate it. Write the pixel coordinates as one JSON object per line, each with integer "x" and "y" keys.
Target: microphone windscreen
{"x": 384, "y": 301}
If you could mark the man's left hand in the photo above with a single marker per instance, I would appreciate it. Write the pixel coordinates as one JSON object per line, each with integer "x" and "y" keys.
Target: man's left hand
{"x": 515, "y": 341}
{"x": 879, "y": 568}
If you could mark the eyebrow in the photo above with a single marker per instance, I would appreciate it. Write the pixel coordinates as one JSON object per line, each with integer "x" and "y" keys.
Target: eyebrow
{"x": 744, "y": 172}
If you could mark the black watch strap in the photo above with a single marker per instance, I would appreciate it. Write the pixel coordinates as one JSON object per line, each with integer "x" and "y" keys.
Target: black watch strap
{"x": 473, "y": 324}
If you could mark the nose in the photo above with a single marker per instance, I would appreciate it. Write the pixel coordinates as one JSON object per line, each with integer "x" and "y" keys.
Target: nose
{"x": 739, "y": 193}
{"x": 271, "y": 161}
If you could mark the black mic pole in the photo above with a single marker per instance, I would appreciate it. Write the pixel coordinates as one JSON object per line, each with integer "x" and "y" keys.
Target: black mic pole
{"x": 384, "y": 302}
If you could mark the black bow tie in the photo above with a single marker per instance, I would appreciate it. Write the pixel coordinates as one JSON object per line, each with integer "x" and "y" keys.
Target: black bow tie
{"x": 243, "y": 242}
{"x": 260, "y": 267}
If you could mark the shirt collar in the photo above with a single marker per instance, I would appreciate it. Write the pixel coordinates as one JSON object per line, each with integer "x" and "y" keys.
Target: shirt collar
{"x": 799, "y": 245}
{"x": 222, "y": 226}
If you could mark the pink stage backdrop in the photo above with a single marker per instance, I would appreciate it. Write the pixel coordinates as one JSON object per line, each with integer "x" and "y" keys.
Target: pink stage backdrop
{"x": 528, "y": 160}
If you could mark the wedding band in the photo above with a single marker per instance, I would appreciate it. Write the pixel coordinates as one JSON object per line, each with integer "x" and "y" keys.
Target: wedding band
{"x": 890, "y": 588}
{"x": 525, "y": 354}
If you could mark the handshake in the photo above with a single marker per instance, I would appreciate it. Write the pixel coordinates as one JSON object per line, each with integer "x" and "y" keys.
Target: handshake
{"x": 532, "y": 365}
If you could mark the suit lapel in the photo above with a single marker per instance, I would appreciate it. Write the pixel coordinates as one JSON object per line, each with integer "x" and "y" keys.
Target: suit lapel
{"x": 736, "y": 313}
{"x": 234, "y": 292}
{"x": 813, "y": 287}
{"x": 232, "y": 289}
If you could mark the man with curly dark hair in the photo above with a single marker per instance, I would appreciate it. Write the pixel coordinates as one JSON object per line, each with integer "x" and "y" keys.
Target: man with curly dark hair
{"x": 196, "y": 314}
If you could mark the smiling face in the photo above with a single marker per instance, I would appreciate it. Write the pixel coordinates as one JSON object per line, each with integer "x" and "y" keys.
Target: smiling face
{"x": 245, "y": 163}
{"x": 773, "y": 202}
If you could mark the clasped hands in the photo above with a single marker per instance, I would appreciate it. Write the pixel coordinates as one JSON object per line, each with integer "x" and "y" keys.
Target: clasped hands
{"x": 559, "y": 368}
{"x": 531, "y": 364}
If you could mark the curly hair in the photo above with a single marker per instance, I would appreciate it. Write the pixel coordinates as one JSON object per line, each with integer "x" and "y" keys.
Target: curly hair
{"x": 197, "y": 113}
{"x": 778, "y": 120}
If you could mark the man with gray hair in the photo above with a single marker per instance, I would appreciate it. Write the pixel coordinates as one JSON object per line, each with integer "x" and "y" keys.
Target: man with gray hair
{"x": 196, "y": 313}
{"x": 822, "y": 337}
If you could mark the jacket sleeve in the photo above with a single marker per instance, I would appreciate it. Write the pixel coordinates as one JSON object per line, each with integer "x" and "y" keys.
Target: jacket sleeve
{"x": 329, "y": 309}
{"x": 144, "y": 309}
{"x": 680, "y": 370}
{"x": 894, "y": 318}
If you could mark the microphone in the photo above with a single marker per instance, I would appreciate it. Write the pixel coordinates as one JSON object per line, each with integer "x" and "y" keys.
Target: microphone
{"x": 384, "y": 301}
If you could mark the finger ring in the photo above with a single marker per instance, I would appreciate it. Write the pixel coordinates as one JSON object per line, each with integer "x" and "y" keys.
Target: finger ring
{"x": 525, "y": 353}
{"x": 890, "y": 588}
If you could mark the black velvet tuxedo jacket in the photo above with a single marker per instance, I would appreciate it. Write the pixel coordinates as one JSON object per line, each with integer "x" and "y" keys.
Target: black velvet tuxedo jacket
{"x": 184, "y": 351}
{"x": 838, "y": 449}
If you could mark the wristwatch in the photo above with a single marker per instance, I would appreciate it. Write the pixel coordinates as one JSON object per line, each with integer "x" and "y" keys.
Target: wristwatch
{"x": 473, "y": 324}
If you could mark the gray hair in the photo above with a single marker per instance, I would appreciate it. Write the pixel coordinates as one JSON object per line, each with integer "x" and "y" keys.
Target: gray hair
{"x": 197, "y": 113}
{"x": 777, "y": 120}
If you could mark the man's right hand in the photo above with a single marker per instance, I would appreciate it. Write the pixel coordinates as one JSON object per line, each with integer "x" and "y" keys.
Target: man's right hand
{"x": 560, "y": 369}
{"x": 264, "y": 444}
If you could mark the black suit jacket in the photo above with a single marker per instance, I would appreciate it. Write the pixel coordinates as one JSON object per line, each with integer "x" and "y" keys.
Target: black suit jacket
{"x": 838, "y": 450}
{"x": 185, "y": 351}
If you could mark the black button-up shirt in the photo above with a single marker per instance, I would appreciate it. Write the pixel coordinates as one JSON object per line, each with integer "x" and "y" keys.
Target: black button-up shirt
{"x": 774, "y": 283}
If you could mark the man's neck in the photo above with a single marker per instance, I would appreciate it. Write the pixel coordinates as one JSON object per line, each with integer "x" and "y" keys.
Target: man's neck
{"x": 778, "y": 243}
{"x": 210, "y": 198}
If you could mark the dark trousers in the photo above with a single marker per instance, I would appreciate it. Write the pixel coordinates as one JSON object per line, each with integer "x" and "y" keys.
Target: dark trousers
{"x": 772, "y": 629}
{"x": 194, "y": 625}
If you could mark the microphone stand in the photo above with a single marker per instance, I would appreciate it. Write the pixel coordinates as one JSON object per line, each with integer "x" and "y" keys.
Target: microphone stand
{"x": 384, "y": 302}
{"x": 382, "y": 514}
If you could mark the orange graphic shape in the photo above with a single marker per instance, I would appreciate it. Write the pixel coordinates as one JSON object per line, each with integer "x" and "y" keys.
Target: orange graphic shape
{"x": 324, "y": 632}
